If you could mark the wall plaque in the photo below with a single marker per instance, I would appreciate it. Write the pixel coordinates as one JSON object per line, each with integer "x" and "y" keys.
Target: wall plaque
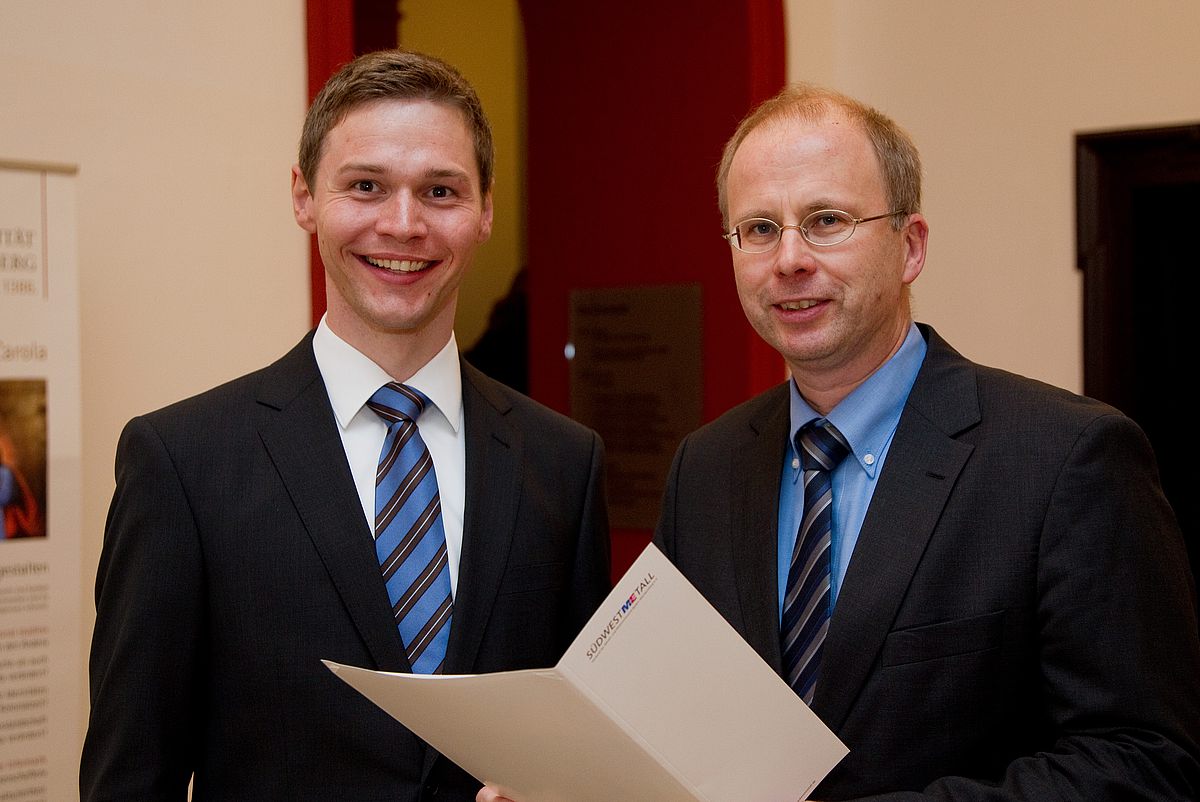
{"x": 636, "y": 378}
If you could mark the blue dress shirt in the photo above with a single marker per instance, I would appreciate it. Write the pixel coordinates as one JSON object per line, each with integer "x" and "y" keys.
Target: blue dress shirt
{"x": 867, "y": 418}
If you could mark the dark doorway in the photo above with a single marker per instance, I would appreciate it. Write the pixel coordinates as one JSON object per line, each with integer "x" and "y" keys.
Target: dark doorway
{"x": 1138, "y": 196}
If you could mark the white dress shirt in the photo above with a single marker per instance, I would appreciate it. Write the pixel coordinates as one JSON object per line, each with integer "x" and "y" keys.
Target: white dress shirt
{"x": 351, "y": 378}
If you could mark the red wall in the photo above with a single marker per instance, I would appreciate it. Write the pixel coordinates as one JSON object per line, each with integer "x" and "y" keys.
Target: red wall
{"x": 629, "y": 106}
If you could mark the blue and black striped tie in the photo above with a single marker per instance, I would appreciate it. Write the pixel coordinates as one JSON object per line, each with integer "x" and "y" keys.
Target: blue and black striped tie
{"x": 410, "y": 539}
{"x": 806, "y": 601}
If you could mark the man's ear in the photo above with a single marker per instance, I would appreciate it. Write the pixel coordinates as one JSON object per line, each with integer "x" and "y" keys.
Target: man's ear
{"x": 302, "y": 202}
{"x": 916, "y": 240}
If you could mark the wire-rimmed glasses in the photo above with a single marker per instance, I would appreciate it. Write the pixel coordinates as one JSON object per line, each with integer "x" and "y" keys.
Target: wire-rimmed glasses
{"x": 822, "y": 228}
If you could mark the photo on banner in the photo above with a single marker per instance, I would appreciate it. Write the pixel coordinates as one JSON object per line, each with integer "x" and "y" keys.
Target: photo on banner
{"x": 22, "y": 458}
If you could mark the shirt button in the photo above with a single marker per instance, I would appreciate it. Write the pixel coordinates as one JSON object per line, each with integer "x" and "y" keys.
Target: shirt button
{"x": 869, "y": 459}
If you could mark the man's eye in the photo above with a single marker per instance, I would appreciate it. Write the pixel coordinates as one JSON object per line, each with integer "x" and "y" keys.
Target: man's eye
{"x": 365, "y": 186}
{"x": 828, "y": 221}
{"x": 440, "y": 192}
{"x": 763, "y": 229}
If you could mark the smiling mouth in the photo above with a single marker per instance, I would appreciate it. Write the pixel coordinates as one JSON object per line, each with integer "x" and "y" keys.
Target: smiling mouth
{"x": 793, "y": 306}
{"x": 398, "y": 265}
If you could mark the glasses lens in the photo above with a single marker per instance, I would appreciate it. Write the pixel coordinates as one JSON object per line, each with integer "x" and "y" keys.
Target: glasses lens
{"x": 827, "y": 227}
{"x": 757, "y": 235}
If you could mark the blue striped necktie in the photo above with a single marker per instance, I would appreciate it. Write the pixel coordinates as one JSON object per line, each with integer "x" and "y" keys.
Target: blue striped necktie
{"x": 806, "y": 602}
{"x": 410, "y": 539}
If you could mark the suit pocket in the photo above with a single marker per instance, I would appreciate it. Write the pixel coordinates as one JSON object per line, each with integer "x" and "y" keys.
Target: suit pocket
{"x": 944, "y": 639}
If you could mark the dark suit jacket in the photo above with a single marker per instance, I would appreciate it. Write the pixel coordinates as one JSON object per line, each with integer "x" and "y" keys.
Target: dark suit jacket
{"x": 236, "y": 557}
{"x": 1017, "y": 620}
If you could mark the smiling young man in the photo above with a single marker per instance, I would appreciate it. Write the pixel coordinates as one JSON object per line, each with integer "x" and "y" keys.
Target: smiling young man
{"x": 398, "y": 211}
{"x": 244, "y": 545}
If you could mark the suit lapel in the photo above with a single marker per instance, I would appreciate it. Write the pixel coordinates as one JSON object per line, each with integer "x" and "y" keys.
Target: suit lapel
{"x": 302, "y": 439}
{"x": 922, "y": 465}
{"x": 493, "y": 489}
{"x": 756, "y": 465}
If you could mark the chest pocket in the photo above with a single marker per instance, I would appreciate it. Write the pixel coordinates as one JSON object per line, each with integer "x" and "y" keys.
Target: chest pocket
{"x": 944, "y": 639}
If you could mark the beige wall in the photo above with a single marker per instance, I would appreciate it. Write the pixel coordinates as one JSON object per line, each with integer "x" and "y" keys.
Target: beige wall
{"x": 183, "y": 119}
{"x": 994, "y": 94}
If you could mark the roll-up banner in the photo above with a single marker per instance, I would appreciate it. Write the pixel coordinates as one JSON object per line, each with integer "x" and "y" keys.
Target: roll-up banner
{"x": 41, "y": 593}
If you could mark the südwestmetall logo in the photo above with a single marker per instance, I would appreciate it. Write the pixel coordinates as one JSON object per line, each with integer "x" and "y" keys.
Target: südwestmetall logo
{"x": 619, "y": 618}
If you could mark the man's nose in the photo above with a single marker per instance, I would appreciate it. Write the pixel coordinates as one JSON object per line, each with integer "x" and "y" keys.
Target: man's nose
{"x": 402, "y": 217}
{"x": 793, "y": 253}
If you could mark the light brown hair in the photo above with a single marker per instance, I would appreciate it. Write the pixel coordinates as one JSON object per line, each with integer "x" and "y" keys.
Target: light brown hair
{"x": 394, "y": 75}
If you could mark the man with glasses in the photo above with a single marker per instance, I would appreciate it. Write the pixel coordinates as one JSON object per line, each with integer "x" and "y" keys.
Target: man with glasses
{"x": 973, "y": 578}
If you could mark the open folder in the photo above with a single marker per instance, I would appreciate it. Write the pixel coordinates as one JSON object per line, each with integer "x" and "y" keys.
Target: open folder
{"x": 658, "y": 698}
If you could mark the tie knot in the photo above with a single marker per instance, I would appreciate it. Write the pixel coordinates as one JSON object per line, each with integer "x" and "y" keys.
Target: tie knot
{"x": 396, "y": 402}
{"x": 821, "y": 446}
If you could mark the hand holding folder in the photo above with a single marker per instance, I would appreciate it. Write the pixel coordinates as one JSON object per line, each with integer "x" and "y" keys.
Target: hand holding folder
{"x": 657, "y": 698}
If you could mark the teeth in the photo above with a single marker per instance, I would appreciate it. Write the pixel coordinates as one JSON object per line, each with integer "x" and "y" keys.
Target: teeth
{"x": 793, "y": 306}
{"x": 398, "y": 265}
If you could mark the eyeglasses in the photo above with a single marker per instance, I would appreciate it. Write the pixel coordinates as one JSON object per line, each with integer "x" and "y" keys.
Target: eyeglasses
{"x": 825, "y": 227}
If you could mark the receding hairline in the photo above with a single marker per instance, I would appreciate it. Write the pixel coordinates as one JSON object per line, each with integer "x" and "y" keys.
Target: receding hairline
{"x": 895, "y": 153}
{"x": 808, "y": 111}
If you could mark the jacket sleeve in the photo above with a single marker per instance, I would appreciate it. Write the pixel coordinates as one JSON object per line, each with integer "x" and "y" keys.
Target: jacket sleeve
{"x": 145, "y": 662}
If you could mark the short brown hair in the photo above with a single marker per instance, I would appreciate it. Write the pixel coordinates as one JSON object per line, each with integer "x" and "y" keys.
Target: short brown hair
{"x": 898, "y": 157}
{"x": 394, "y": 75}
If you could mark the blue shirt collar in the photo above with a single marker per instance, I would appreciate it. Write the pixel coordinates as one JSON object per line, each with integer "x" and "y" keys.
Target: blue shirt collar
{"x": 868, "y": 417}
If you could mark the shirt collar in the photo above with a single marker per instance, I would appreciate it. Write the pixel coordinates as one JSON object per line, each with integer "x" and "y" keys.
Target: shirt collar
{"x": 351, "y": 378}
{"x": 868, "y": 417}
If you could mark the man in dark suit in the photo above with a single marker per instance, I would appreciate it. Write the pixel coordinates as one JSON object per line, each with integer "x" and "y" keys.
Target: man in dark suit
{"x": 997, "y": 605}
{"x": 239, "y": 547}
